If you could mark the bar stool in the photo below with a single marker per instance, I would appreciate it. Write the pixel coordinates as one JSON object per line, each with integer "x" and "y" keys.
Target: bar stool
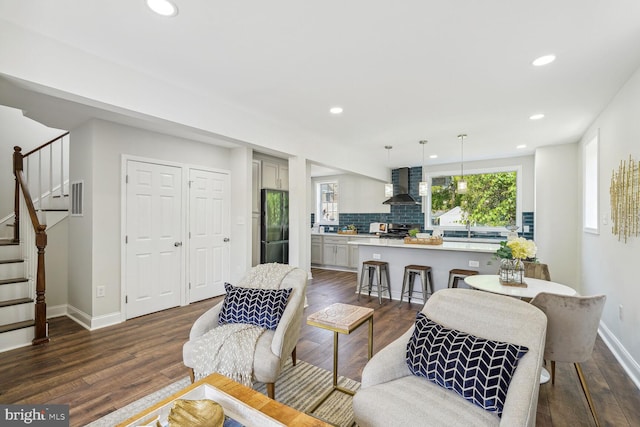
{"x": 410, "y": 273}
{"x": 456, "y": 274}
{"x": 372, "y": 268}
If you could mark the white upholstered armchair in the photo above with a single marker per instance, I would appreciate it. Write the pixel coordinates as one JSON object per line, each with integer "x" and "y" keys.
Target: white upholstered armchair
{"x": 274, "y": 346}
{"x": 392, "y": 395}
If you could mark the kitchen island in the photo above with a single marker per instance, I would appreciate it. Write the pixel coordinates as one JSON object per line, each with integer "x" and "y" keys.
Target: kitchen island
{"x": 441, "y": 259}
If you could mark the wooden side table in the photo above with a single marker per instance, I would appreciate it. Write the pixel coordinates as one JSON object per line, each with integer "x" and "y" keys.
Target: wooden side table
{"x": 341, "y": 319}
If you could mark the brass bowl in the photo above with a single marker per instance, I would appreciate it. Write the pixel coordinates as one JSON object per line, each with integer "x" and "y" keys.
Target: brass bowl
{"x": 196, "y": 413}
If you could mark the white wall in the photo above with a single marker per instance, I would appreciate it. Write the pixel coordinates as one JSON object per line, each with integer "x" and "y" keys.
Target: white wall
{"x": 557, "y": 211}
{"x": 81, "y": 161}
{"x": 23, "y": 132}
{"x": 241, "y": 195}
{"x": 56, "y": 265}
{"x": 97, "y": 150}
{"x": 358, "y": 194}
{"x": 607, "y": 265}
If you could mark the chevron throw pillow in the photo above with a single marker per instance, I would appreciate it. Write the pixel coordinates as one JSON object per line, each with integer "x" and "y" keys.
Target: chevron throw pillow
{"x": 260, "y": 307}
{"x": 478, "y": 369}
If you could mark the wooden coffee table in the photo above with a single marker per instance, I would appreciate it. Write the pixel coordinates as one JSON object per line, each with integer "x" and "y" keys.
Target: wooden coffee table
{"x": 341, "y": 319}
{"x": 245, "y": 405}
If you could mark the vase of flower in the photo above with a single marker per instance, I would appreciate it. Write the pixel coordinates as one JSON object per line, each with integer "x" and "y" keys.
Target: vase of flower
{"x": 512, "y": 255}
{"x": 518, "y": 271}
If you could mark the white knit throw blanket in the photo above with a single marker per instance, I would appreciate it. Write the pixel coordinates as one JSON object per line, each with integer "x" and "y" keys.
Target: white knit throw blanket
{"x": 229, "y": 349}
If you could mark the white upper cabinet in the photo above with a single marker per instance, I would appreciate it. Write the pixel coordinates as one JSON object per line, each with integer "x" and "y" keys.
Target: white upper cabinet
{"x": 275, "y": 175}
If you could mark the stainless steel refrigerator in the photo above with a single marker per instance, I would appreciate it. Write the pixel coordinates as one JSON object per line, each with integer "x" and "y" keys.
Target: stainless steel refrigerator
{"x": 274, "y": 226}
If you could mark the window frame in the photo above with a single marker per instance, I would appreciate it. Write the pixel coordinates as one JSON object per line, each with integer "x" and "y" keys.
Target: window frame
{"x": 319, "y": 217}
{"x": 456, "y": 172}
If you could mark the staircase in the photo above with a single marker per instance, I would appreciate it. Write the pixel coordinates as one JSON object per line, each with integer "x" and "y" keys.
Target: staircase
{"x": 23, "y": 309}
{"x": 16, "y": 298}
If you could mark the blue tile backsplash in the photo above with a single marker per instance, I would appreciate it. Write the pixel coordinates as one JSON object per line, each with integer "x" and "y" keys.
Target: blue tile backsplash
{"x": 412, "y": 214}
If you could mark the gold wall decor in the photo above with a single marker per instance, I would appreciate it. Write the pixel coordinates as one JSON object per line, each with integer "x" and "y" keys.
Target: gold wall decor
{"x": 625, "y": 200}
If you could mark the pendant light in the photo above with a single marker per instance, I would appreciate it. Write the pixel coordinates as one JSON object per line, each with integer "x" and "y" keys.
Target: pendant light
{"x": 462, "y": 184}
{"x": 388, "y": 188}
{"x": 423, "y": 186}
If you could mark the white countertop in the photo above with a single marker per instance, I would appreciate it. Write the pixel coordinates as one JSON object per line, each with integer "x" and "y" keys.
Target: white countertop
{"x": 332, "y": 234}
{"x": 446, "y": 246}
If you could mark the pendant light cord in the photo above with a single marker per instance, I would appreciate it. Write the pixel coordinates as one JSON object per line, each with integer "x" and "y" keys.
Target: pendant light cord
{"x": 461, "y": 136}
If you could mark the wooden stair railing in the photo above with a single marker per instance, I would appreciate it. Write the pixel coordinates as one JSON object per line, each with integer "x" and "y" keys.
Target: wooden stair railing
{"x": 40, "y": 315}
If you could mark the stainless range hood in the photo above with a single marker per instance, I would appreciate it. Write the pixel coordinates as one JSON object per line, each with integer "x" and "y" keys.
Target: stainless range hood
{"x": 402, "y": 197}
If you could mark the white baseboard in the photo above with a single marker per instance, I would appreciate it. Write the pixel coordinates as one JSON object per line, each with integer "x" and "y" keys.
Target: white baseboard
{"x": 92, "y": 323}
{"x": 106, "y": 320}
{"x": 630, "y": 366}
{"x": 56, "y": 311}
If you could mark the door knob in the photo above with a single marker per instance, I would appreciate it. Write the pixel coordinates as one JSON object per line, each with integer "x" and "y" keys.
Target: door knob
{"x": 177, "y": 244}
{"x": 226, "y": 239}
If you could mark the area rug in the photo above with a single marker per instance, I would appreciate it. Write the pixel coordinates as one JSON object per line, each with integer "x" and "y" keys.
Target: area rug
{"x": 298, "y": 386}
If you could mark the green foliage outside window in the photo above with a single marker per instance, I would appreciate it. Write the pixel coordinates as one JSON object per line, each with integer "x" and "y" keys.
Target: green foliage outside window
{"x": 490, "y": 200}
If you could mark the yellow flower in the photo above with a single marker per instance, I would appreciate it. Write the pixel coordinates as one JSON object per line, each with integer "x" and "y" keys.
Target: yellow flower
{"x": 522, "y": 248}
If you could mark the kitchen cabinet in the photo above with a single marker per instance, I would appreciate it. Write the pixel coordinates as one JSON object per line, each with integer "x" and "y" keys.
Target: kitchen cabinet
{"x": 332, "y": 250}
{"x": 335, "y": 251}
{"x": 255, "y": 212}
{"x": 353, "y": 255}
{"x": 316, "y": 250}
{"x": 255, "y": 246}
{"x": 275, "y": 175}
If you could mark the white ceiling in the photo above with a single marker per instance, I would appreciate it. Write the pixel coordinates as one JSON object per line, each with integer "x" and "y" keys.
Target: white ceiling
{"x": 403, "y": 71}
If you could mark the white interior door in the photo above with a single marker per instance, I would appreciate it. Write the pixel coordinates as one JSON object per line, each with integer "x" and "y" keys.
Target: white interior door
{"x": 154, "y": 274}
{"x": 209, "y": 260}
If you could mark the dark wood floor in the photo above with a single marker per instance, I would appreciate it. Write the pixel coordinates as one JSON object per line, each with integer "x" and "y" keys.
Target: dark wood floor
{"x": 100, "y": 371}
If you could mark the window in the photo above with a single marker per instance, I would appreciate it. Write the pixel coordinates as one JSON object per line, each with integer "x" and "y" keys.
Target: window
{"x": 327, "y": 202}
{"x": 492, "y": 200}
{"x": 591, "y": 186}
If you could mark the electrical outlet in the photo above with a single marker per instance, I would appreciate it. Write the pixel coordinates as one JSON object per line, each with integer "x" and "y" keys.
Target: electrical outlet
{"x": 376, "y": 256}
{"x": 474, "y": 263}
{"x": 620, "y": 312}
{"x": 100, "y": 291}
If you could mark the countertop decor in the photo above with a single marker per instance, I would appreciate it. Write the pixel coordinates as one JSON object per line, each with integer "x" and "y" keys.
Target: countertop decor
{"x": 512, "y": 254}
{"x": 423, "y": 240}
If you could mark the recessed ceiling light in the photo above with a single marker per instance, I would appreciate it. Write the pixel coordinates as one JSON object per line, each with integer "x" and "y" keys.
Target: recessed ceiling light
{"x": 433, "y": 156}
{"x": 336, "y": 110}
{"x": 521, "y": 146}
{"x": 544, "y": 60}
{"x": 536, "y": 116}
{"x": 163, "y": 7}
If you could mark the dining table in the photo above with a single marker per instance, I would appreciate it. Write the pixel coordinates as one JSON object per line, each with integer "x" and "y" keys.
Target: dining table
{"x": 491, "y": 283}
